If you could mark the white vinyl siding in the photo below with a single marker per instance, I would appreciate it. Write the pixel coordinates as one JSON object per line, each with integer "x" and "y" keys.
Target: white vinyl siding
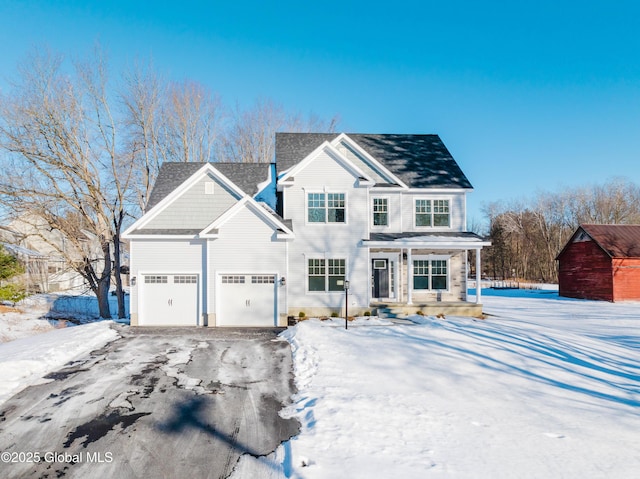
{"x": 326, "y": 240}
{"x": 246, "y": 248}
{"x": 195, "y": 208}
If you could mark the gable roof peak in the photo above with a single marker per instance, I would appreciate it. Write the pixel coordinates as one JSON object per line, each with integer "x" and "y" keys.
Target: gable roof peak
{"x": 246, "y": 176}
{"x": 418, "y": 160}
{"x": 618, "y": 241}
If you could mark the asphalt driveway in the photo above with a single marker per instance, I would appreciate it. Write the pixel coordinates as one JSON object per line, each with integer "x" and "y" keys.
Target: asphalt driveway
{"x": 162, "y": 403}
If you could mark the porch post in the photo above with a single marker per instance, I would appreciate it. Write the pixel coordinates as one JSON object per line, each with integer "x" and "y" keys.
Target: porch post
{"x": 409, "y": 282}
{"x": 478, "y": 277}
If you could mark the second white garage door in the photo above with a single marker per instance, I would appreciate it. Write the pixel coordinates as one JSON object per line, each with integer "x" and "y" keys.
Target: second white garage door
{"x": 247, "y": 300}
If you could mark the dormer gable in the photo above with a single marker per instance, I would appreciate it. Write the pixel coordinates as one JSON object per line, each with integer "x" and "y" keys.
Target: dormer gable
{"x": 282, "y": 230}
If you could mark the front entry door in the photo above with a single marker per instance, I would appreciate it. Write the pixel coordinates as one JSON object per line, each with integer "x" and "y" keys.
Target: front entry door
{"x": 380, "y": 268}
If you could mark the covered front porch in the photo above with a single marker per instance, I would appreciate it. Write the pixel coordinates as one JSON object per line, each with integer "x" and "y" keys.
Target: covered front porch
{"x": 423, "y": 272}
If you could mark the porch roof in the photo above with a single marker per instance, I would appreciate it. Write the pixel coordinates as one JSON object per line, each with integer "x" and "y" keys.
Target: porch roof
{"x": 433, "y": 240}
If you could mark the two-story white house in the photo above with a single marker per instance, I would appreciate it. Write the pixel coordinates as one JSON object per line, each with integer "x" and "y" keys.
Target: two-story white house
{"x": 233, "y": 244}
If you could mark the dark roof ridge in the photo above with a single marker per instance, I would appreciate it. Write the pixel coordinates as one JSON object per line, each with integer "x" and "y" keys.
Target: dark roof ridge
{"x": 420, "y": 160}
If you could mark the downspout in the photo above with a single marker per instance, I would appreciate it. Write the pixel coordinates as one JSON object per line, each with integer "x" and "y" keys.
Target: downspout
{"x": 205, "y": 285}
{"x": 286, "y": 285}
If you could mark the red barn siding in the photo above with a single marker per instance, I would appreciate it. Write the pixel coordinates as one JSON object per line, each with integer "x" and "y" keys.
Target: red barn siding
{"x": 626, "y": 279}
{"x": 585, "y": 272}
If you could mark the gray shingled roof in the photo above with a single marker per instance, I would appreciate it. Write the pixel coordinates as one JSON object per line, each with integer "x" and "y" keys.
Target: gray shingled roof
{"x": 246, "y": 176}
{"x": 420, "y": 161}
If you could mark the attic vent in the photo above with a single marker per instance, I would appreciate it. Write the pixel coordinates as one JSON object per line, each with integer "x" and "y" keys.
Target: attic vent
{"x": 581, "y": 237}
{"x": 209, "y": 187}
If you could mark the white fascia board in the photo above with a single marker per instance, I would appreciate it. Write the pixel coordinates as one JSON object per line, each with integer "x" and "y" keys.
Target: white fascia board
{"x": 171, "y": 197}
{"x": 334, "y": 153}
{"x": 235, "y": 209}
{"x": 385, "y": 171}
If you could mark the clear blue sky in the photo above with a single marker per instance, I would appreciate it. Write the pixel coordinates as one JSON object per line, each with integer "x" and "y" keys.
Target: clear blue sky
{"x": 528, "y": 96}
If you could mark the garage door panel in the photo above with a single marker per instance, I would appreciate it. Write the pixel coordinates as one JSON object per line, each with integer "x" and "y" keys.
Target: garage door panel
{"x": 170, "y": 300}
{"x": 247, "y": 300}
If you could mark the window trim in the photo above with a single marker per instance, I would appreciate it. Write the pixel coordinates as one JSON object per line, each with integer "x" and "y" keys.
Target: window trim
{"x": 432, "y": 213}
{"x": 326, "y": 208}
{"x": 430, "y": 258}
{"x": 326, "y": 273}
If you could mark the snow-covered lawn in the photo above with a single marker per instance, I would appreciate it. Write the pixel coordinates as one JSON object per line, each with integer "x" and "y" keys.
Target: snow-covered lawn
{"x": 543, "y": 388}
{"x": 24, "y": 320}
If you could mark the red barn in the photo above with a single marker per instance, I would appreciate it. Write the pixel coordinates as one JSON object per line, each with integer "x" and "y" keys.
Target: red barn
{"x": 601, "y": 262}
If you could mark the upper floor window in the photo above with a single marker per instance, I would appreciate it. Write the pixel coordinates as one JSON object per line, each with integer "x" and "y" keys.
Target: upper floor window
{"x": 326, "y": 207}
{"x": 432, "y": 213}
{"x": 380, "y": 212}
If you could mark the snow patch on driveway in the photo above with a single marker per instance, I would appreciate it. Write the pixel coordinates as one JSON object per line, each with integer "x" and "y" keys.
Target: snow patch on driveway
{"x": 177, "y": 359}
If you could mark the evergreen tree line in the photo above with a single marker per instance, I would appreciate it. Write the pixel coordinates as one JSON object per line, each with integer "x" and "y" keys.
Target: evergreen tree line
{"x": 527, "y": 236}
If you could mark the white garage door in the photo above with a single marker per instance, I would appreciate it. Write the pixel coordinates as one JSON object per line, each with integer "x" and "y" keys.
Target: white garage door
{"x": 169, "y": 300}
{"x": 247, "y": 300}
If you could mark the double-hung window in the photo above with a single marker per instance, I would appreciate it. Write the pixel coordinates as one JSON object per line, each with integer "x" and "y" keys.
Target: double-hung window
{"x": 326, "y": 274}
{"x": 380, "y": 212}
{"x": 441, "y": 213}
{"x": 326, "y": 207}
{"x": 430, "y": 274}
{"x": 432, "y": 212}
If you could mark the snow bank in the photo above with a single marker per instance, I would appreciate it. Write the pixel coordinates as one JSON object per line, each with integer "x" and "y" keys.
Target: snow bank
{"x": 26, "y": 361}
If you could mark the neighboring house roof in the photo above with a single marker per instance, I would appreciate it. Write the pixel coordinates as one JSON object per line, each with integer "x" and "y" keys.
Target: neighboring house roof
{"x": 20, "y": 251}
{"x": 246, "y": 176}
{"x": 420, "y": 161}
{"x": 617, "y": 241}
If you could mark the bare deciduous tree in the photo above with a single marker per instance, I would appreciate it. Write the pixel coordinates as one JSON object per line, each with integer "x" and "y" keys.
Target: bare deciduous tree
{"x": 251, "y": 136}
{"x": 526, "y": 238}
{"x": 62, "y": 168}
{"x": 80, "y": 155}
{"x": 192, "y": 122}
